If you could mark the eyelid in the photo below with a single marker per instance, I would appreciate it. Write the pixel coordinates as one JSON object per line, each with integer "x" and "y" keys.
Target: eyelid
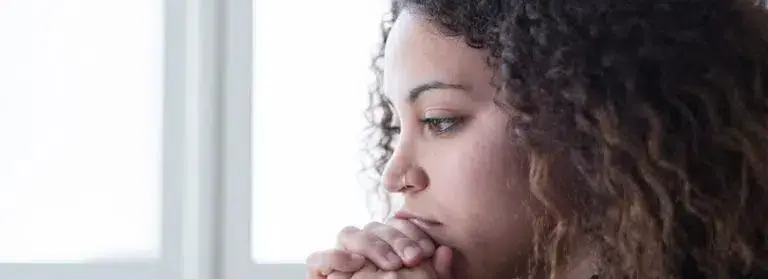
{"x": 439, "y": 113}
{"x": 432, "y": 125}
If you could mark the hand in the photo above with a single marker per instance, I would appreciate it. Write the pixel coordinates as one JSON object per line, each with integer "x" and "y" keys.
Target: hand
{"x": 388, "y": 246}
{"x": 438, "y": 268}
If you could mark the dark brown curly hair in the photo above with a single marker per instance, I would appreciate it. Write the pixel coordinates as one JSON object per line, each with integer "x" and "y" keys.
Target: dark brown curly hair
{"x": 659, "y": 106}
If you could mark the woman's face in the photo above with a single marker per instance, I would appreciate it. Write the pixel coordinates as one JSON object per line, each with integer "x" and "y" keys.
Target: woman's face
{"x": 454, "y": 161}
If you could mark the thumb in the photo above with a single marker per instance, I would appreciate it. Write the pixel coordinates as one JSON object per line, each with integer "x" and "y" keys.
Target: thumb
{"x": 442, "y": 262}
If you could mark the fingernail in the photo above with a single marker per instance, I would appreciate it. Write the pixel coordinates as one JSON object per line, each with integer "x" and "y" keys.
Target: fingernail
{"x": 393, "y": 258}
{"x": 411, "y": 253}
{"x": 427, "y": 246}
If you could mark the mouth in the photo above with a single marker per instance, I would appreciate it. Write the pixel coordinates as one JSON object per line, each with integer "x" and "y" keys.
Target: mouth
{"x": 435, "y": 229}
{"x": 423, "y": 222}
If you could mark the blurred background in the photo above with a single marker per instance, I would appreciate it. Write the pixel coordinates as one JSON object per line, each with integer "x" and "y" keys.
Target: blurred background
{"x": 181, "y": 139}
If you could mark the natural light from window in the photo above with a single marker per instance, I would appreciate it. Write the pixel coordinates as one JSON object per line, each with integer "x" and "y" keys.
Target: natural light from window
{"x": 311, "y": 73}
{"x": 80, "y": 115}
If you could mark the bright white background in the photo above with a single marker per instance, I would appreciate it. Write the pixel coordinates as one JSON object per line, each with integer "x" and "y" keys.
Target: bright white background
{"x": 311, "y": 75}
{"x": 179, "y": 138}
{"x": 80, "y": 115}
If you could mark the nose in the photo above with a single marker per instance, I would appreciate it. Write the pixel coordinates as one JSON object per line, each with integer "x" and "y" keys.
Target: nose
{"x": 403, "y": 174}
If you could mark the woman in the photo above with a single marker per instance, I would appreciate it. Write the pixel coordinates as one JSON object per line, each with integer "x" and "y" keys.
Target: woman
{"x": 569, "y": 139}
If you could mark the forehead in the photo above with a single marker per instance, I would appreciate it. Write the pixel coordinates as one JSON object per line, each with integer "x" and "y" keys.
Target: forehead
{"x": 417, "y": 53}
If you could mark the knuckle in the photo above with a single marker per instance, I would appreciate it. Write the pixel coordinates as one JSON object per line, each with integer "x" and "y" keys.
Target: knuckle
{"x": 348, "y": 230}
{"x": 324, "y": 262}
{"x": 404, "y": 242}
{"x": 387, "y": 232}
{"x": 393, "y": 221}
{"x": 372, "y": 226}
{"x": 335, "y": 257}
{"x": 363, "y": 243}
{"x": 381, "y": 247}
{"x": 346, "y": 233}
{"x": 315, "y": 259}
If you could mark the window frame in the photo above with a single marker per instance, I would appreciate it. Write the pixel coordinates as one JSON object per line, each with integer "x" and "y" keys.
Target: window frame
{"x": 190, "y": 158}
{"x": 206, "y": 157}
{"x": 237, "y": 151}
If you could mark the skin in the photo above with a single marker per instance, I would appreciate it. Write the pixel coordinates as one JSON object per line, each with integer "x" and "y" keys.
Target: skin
{"x": 460, "y": 169}
{"x": 456, "y": 163}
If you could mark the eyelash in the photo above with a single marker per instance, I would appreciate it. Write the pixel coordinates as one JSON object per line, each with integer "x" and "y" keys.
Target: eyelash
{"x": 433, "y": 125}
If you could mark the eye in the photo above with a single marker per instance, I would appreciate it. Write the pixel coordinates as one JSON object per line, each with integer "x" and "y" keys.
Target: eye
{"x": 441, "y": 125}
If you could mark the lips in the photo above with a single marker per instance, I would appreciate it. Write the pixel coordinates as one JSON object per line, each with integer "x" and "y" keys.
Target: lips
{"x": 417, "y": 219}
{"x": 435, "y": 229}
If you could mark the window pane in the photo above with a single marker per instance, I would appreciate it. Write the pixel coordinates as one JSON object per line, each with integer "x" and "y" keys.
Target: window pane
{"x": 311, "y": 73}
{"x": 80, "y": 115}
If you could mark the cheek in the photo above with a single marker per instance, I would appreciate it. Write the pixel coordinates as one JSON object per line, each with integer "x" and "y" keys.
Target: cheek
{"x": 484, "y": 180}
{"x": 480, "y": 185}
{"x": 484, "y": 197}
{"x": 494, "y": 191}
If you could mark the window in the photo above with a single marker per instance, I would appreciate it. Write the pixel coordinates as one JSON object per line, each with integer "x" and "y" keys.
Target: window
{"x": 91, "y": 156}
{"x": 294, "y": 124}
{"x": 154, "y": 139}
{"x": 81, "y": 114}
{"x": 309, "y": 96}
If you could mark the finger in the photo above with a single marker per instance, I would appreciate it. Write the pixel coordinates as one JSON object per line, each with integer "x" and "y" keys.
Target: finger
{"x": 414, "y": 232}
{"x": 370, "y": 246}
{"x": 340, "y": 275}
{"x": 312, "y": 274}
{"x": 325, "y": 262}
{"x": 404, "y": 246}
{"x": 421, "y": 272}
{"x": 369, "y": 271}
{"x": 442, "y": 262}
{"x": 380, "y": 274}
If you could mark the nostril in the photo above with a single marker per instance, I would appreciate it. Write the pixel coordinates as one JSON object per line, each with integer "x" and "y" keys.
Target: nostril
{"x": 415, "y": 179}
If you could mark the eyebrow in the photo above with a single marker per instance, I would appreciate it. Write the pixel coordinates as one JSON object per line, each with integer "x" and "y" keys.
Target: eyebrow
{"x": 417, "y": 91}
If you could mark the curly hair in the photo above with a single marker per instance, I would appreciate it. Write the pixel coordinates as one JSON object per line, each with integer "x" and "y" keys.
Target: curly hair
{"x": 659, "y": 106}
